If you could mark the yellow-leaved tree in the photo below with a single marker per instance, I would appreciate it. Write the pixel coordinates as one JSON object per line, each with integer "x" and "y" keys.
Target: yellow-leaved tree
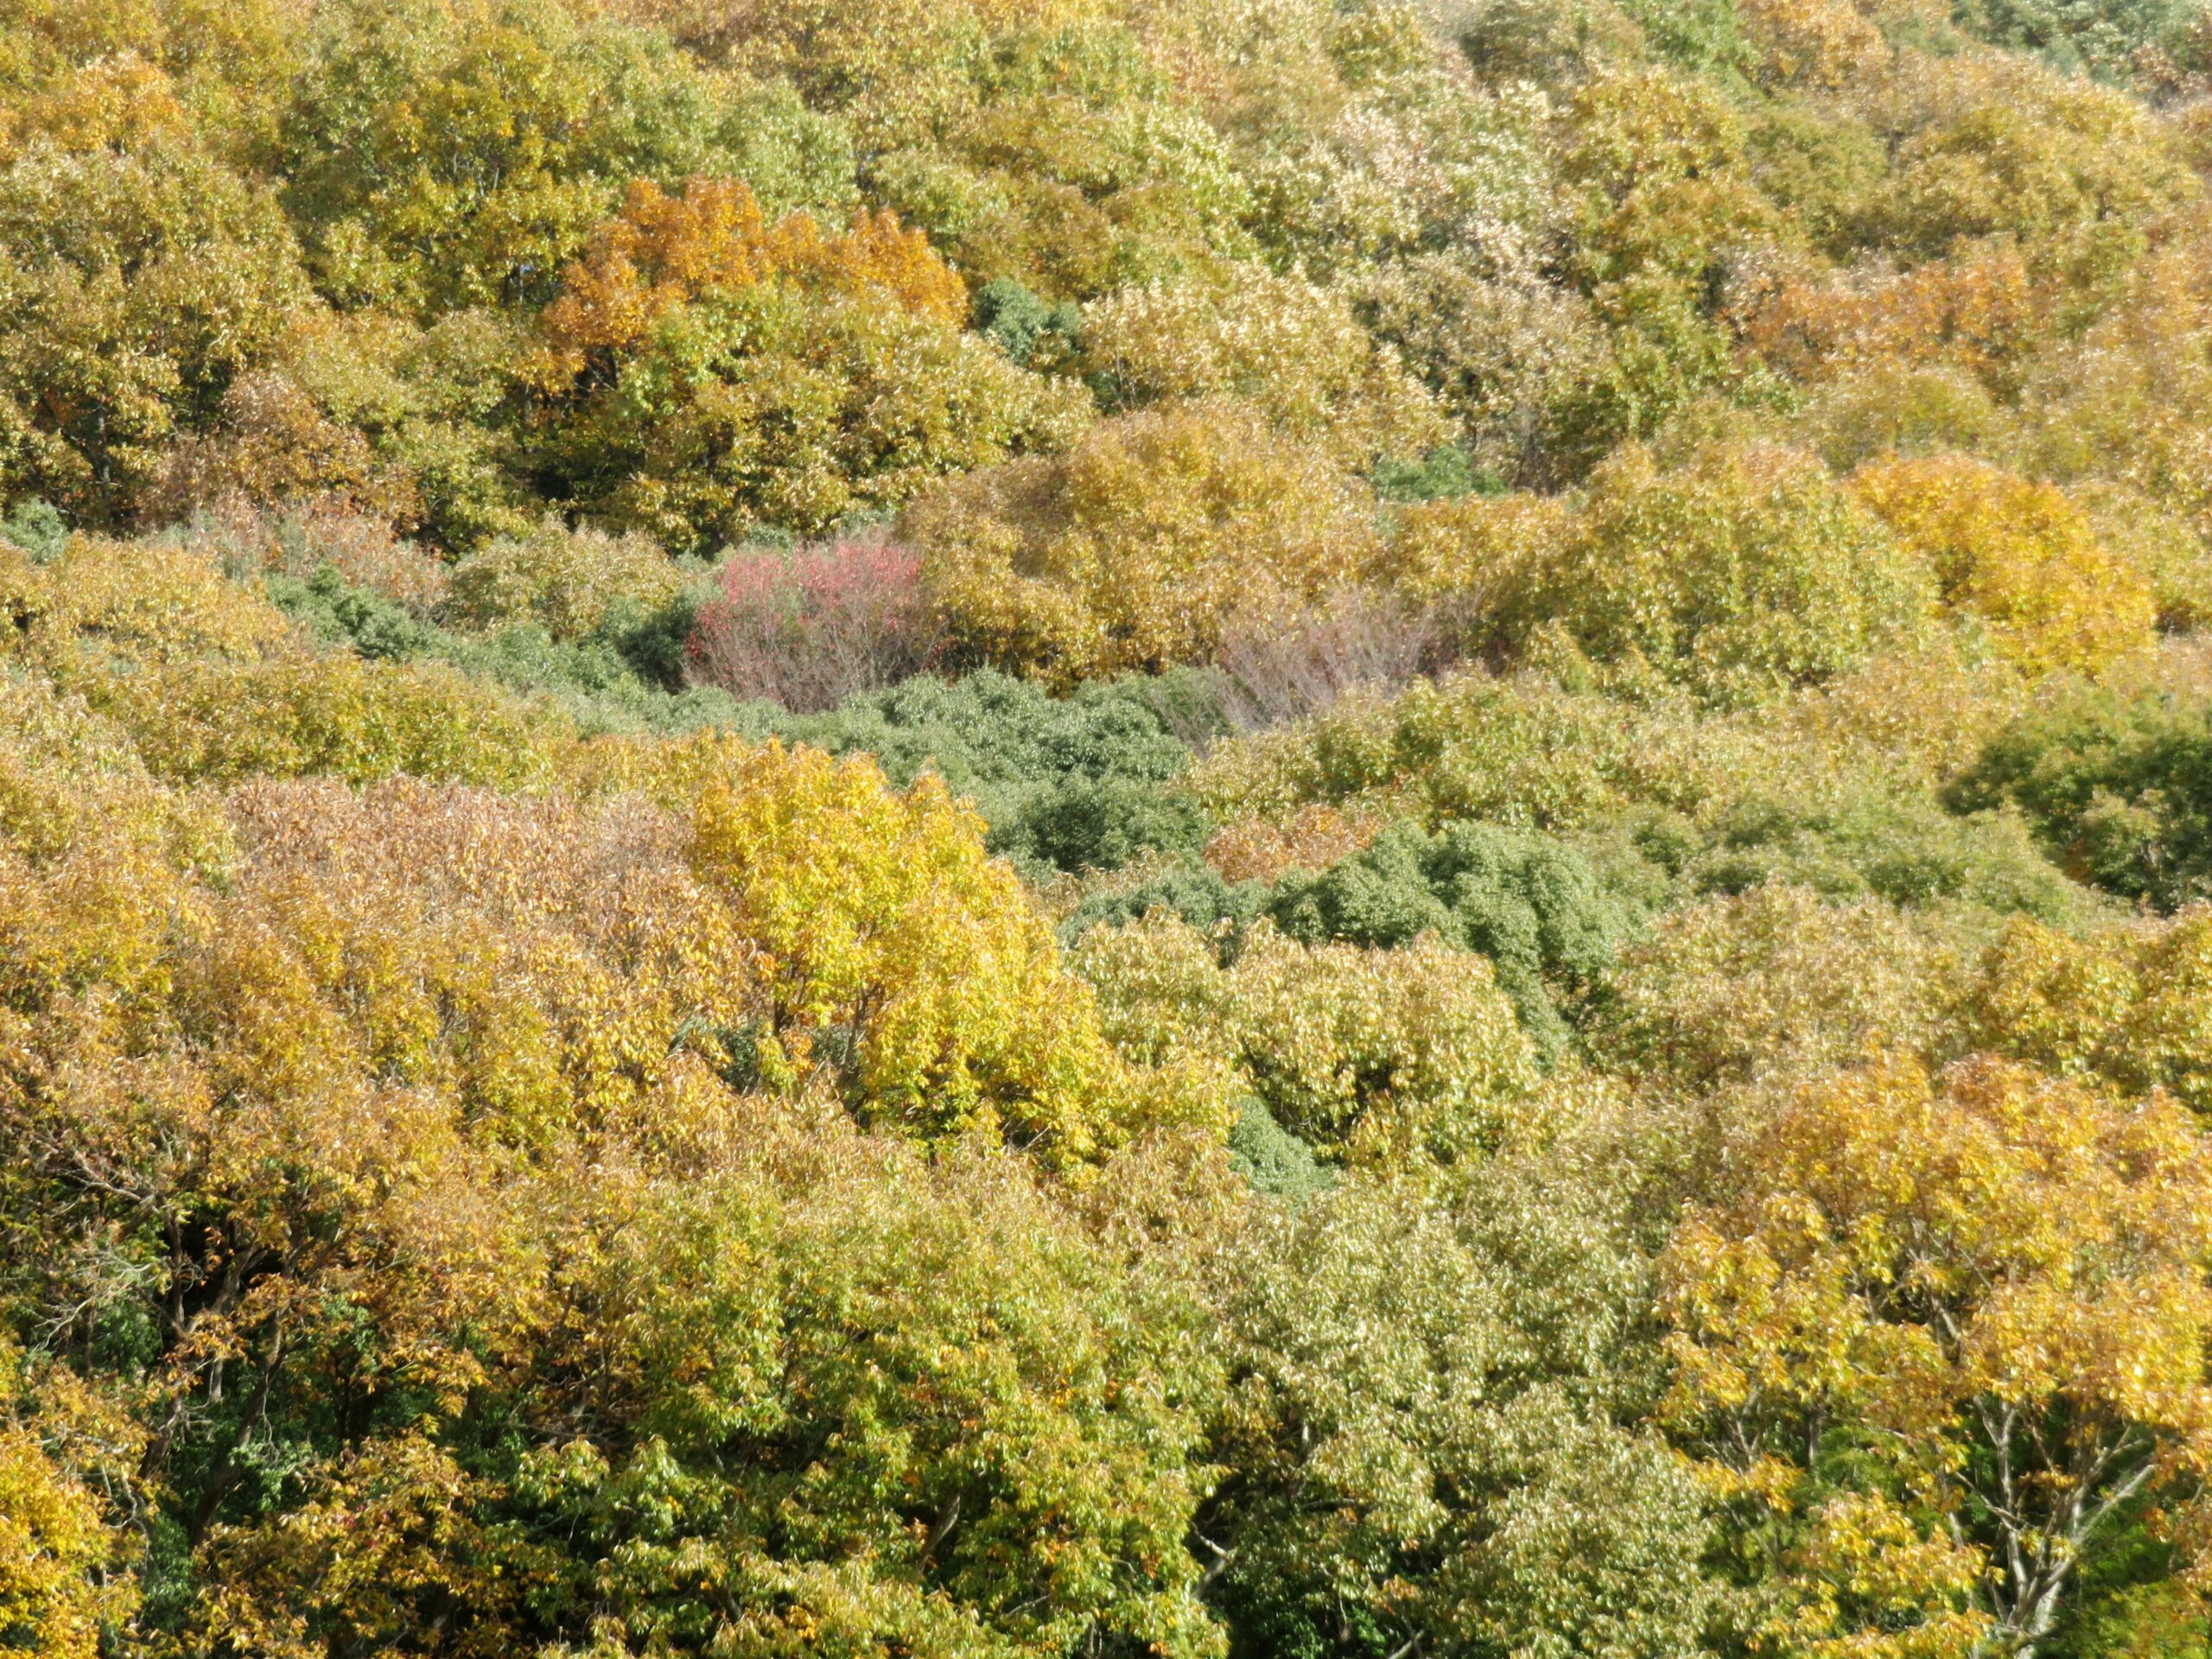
{"x": 1942, "y": 1338}
{"x": 56, "y": 1545}
{"x": 1137, "y": 548}
{"x": 212, "y": 683}
{"x": 2133, "y": 1007}
{"x": 2018, "y": 555}
{"x": 899, "y": 957}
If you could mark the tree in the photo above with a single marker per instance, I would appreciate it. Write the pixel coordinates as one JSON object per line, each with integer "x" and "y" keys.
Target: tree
{"x": 1419, "y": 1435}
{"x": 210, "y": 683}
{"x": 1293, "y": 351}
{"x": 1975, "y": 318}
{"x": 2126, "y": 1007}
{"x": 1372, "y": 1055}
{"x": 1772, "y": 981}
{"x": 1744, "y": 573}
{"x": 1988, "y": 145}
{"x": 136, "y": 287}
{"x": 1659, "y": 195}
{"x": 897, "y": 954}
{"x": 1504, "y": 358}
{"x": 566, "y": 582}
{"x": 60, "y": 1590}
{"x": 1077, "y": 782}
{"x": 1134, "y": 548}
{"x": 791, "y": 1390}
{"x": 1060, "y": 159}
{"x": 713, "y": 373}
{"x": 405, "y": 1204}
{"x": 662, "y": 251}
{"x": 2018, "y": 556}
{"x": 1936, "y": 1315}
{"x": 459, "y": 153}
{"x": 2114, "y": 781}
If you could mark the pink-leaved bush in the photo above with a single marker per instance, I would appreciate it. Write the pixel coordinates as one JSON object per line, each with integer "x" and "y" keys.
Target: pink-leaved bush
{"x": 812, "y": 627}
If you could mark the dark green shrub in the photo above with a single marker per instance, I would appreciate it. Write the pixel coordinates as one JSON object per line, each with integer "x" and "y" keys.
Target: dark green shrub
{"x": 1534, "y": 905}
{"x": 1023, "y": 325}
{"x": 1099, "y": 823}
{"x": 1220, "y": 909}
{"x": 1276, "y": 1161}
{"x": 36, "y": 526}
{"x": 608, "y": 680}
{"x": 1066, "y": 783}
{"x": 340, "y": 614}
{"x": 2119, "y": 786}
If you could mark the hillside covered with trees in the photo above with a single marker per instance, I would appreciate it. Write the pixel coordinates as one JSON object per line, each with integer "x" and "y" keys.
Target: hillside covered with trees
{"x": 1105, "y": 829}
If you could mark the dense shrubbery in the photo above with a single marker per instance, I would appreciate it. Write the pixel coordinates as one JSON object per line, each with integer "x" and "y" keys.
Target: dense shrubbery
{"x": 809, "y": 631}
{"x": 1137, "y": 548}
{"x": 2017, "y": 557}
{"x": 2118, "y": 783}
{"x": 1668, "y": 797}
{"x": 1365, "y": 1054}
{"x": 1531, "y": 906}
{"x": 1742, "y": 573}
{"x": 1225, "y": 828}
{"x": 1077, "y": 783}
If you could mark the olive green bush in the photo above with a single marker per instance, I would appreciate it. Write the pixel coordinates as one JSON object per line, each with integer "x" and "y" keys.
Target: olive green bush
{"x": 2118, "y": 784}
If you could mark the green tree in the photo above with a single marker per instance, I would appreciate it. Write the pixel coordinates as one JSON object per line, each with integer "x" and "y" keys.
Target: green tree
{"x": 1419, "y": 1432}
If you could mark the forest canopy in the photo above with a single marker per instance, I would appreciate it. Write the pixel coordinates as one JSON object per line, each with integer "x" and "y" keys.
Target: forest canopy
{"x": 1212, "y": 828}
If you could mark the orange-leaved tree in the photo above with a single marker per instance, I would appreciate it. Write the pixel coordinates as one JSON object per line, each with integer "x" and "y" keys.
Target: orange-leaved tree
{"x": 662, "y": 251}
{"x": 709, "y": 372}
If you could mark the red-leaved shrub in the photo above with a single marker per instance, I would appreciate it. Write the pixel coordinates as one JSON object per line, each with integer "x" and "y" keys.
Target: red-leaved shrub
{"x": 812, "y": 627}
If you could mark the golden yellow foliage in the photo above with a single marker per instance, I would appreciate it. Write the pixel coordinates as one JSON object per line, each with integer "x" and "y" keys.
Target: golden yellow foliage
{"x": 55, "y": 1594}
{"x": 1994, "y": 1281}
{"x": 1817, "y": 43}
{"x": 1470, "y": 552}
{"x": 275, "y": 447}
{"x": 2126, "y": 402}
{"x": 437, "y": 1101}
{"x": 2017, "y": 555}
{"x": 1866, "y": 1582}
{"x": 896, "y": 950}
{"x": 1293, "y": 351}
{"x": 1993, "y": 145}
{"x": 1744, "y": 573}
{"x": 1977, "y": 314}
{"x": 1773, "y": 982}
{"x": 2159, "y": 544}
{"x": 1930, "y": 711}
{"x": 1136, "y": 548}
{"x": 118, "y": 102}
{"x": 1313, "y": 838}
{"x": 210, "y": 680}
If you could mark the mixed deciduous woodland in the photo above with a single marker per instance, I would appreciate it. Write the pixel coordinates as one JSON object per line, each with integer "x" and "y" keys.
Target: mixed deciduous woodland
{"x": 1106, "y": 829}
